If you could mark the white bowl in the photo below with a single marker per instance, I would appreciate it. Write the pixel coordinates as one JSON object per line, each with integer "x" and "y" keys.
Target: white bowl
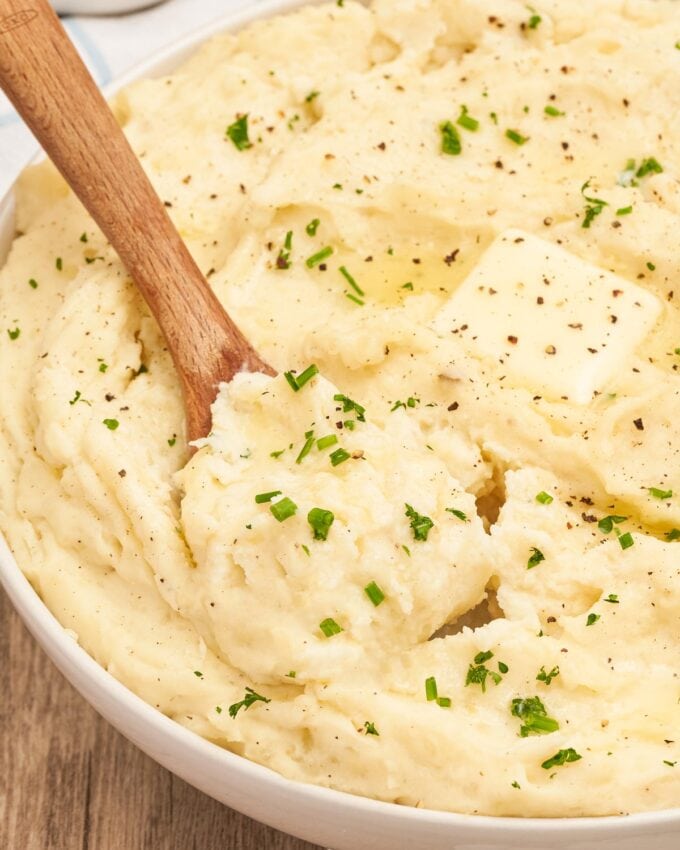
{"x": 322, "y": 816}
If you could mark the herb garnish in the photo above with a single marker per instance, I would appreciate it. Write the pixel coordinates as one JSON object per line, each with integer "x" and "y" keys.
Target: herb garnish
{"x": 312, "y": 227}
{"x": 461, "y": 516}
{"x": 307, "y": 447}
{"x": 249, "y": 699}
{"x": 370, "y": 728}
{"x": 348, "y": 277}
{"x": 594, "y": 207}
{"x": 111, "y": 424}
{"x": 561, "y": 757}
{"x": 613, "y": 598}
{"x": 320, "y": 520}
{"x": 607, "y": 523}
{"x": 450, "y": 139}
{"x": 349, "y": 404}
{"x": 238, "y": 133}
{"x": 592, "y": 619}
{"x": 339, "y": 456}
{"x": 547, "y": 678}
{"x": 325, "y": 442}
{"x": 534, "y": 717}
{"x": 478, "y": 672}
{"x": 544, "y": 498}
{"x": 296, "y": 382}
{"x": 283, "y": 259}
{"x": 283, "y": 509}
{"x": 431, "y": 693}
{"x": 553, "y": 111}
{"x": 626, "y": 540}
{"x": 261, "y": 498}
{"x": 319, "y": 257}
{"x": 420, "y": 524}
{"x": 374, "y": 593}
{"x": 14, "y": 334}
{"x": 535, "y": 558}
{"x": 466, "y": 120}
{"x": 329, "y": 627}
{"x": 516, "y": 137}
{"x": 660, "y": 494}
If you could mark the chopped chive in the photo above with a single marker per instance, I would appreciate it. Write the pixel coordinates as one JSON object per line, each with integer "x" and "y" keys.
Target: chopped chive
{"x": 238, "y": 133}
{"x": 466, "y": 120}
{"x": 325, "y": 442}
{"x": 607, "y": 523}
{"x": 277, "y": 454}
{"x": 111, "y": 424}
{"x": 312, "y": 227}
{"x": 349, "y": 404}
{"x": 544, "y": 498}
{"x": 296, "y": 382}
{"x": 553, "y": 111}
{"x": 660, "y": 494}
{"x": 450, "y": 139}
{"x": 329, "y": 627}
{"x": 535, "y": 558}
{"x": 59, "y": 264}
{"x": 374, "y": 593}
{"x": 406, "y": 549}
{"x": 516, "y": 137}
{"x": 444, "y": 702}
{"x": 624, "y": 210}
{"x": 261, "y": 498}
{"x": 339, "y": 456}
{"x": 355, "y": 299}
{"x": 649, "y": 166}
{"x": 306, "y": 449}
{"x": 534, "y": 717}
{"x": 283, "y": 509}
{"x": 348, "y": 277}
{"x": 431, "y": 688}
{"x": 320, "y": 520}
{"x": 626, "y": 540}
{"x": 319, "y": 257}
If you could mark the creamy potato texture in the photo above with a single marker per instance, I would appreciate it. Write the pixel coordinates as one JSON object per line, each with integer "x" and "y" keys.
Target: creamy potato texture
{"x": 463, "y": 592}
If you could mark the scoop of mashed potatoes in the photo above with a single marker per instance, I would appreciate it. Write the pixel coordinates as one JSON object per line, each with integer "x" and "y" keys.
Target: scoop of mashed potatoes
{"x": 434, "y": 560}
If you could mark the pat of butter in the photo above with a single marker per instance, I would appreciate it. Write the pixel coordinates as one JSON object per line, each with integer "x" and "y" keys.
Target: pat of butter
{"x": 553, "y": 322}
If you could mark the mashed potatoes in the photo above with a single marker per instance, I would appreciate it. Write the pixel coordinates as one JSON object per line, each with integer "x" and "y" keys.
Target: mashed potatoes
{"x": 443, "y": 570}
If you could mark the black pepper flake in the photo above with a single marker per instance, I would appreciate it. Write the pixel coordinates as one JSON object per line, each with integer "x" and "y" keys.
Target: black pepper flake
{"x": 639, "y": 424}
{"x": 122, "y": 473}
{"x": 512, "y": 340}
{"x": 453, "y": 406}
{"x": 451, "y": 258}
{"x": 550, "y": 349}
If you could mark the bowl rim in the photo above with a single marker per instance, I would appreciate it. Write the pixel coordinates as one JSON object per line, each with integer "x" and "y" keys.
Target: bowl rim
{"x": 79, "y": 667}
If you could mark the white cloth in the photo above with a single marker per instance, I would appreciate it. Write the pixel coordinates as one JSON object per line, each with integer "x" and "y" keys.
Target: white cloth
{"x": 110, "y": 45}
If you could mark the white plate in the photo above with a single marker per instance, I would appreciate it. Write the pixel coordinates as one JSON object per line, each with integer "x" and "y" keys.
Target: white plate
{"x": 330, "y": 818}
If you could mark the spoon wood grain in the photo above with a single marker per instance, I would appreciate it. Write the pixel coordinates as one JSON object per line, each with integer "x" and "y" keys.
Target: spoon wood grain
{"x": 43, "y": 76}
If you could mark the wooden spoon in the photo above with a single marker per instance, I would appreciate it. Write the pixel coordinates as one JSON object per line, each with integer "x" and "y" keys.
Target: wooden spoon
{"x": 43, "y": 76}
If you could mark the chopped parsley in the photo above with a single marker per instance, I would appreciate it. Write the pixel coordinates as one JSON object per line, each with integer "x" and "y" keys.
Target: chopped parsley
{"x": 111, "y": 424}
{"x": 103, "y": 366}
{"x": 33, "y": 283}
{"x": 78, "y": 397}
{"x": 296, "y": 382}
{"x": 329, "y": 627}
{"x": 466, "y": 120}
{"x": 516, "y": 137}
{"x": 319, "y": 257}
{"x": 649, "y": 166}
{"x": 461, "y": 516}
{"x": 283, "y": 509}
{"x": 553, "y": 111}
{"x": 172, "y": 441}
{"x": 547, "y": 678}
{"x": 420, "y": 524}
{"x": 311, "y": 96}
{"x": 607, "y": 523}
{"x": 592, "y": 619}
{"x": 370, "y": 728}
{"x": 339, "y": 456}
{"x": 312, "y": 227}
{"x": 198, "y": 674}
{"x": 535, "y": 558}
{"x": 374, "y": 593}
{"x": 613, "y": 598}
{"x": 59, "y": 264}
{"x": 534, "y": 20}
{"x": 350, "y": 280}
{"x": 348, "y": 405}
{"x": 83, "y": 237}
{"x": 594, "y": 206}
{"x": 320, "y": 520}
{"x": 660, "y": 494}
{"x": 544, "y": 498}
{"x": 238, "y": 133}
{"x": 534, "y": 717}
{"x": 14, "y": 334}
{"x": 249, "y": 699}
{"x": 561, "y": 757}
{"x": 478, "y": 672}
{"x": 261, "y": 498}
{"x": 411, "y": 401}
{"x": 673, "y": 534}
{"x": 450, "y": 139}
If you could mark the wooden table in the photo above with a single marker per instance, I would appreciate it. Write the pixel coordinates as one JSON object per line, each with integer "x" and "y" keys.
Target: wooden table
{"x": 68, "y": 781}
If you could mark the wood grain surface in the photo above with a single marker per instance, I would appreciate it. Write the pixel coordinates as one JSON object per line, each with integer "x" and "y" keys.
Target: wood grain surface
{"x": 68, "y": 781}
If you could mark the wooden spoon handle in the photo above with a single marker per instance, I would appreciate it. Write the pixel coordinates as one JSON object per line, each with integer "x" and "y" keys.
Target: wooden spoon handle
{"x": 43, "y": 76}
